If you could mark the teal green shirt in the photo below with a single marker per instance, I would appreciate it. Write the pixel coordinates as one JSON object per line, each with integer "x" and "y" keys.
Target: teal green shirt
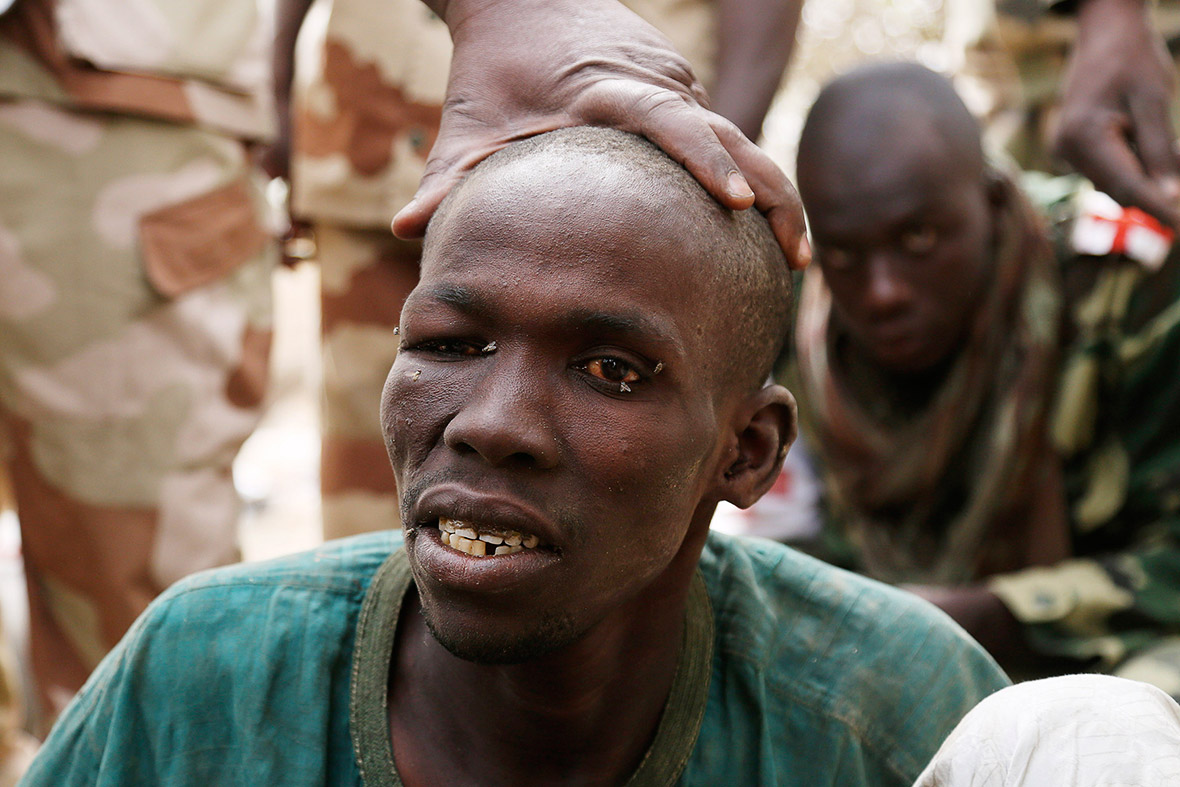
{"x": 791, "y": 672}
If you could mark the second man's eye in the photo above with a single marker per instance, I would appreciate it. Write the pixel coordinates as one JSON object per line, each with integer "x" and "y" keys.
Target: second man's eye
{"x": 919, "y": 239}
{"x": 612, "y": 370}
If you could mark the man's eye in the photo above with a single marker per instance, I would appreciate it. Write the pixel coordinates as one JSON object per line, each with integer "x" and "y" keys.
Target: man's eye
{"x": 834, "y": 259}
{"x": 613, "y": 370}
{"x": 449, "y": 347}
{"x": 919, "y": 240}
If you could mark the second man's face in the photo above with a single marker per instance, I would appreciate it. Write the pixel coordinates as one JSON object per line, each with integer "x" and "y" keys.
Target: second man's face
{"x": 905, "y": 253}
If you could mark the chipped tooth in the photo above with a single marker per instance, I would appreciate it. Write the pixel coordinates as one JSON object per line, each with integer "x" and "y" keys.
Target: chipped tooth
{"x": 477, "y": 548}
{"x": 491, "y": 538}
{"x": 512, "y": 539}
{"x": 447, "y": 525}
{"x": 531, "y": 541}
{"x": 466, "y": 532}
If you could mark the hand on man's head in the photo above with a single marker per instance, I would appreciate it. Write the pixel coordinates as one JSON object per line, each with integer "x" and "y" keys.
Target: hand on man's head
{"x": 1115, "y": 124}
{"x": 531, "y": 66}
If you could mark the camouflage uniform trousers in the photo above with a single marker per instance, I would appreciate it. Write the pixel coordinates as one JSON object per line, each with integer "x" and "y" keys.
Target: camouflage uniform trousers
{"x": 135, "y": 311}
{"x": 366, "y": 275}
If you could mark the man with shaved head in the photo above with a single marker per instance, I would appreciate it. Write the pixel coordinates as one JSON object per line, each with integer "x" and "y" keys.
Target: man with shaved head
{"x": 573, "y": 394}
{"x": 996, "y": 414}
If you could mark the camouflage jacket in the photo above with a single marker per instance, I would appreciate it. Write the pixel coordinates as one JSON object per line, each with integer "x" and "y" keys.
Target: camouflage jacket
{"x": 197, "y": 62}
{"x": 1117, "y": 427}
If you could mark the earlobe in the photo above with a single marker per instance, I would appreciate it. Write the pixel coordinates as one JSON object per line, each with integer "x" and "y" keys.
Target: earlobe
{"x": 764, "y": 427}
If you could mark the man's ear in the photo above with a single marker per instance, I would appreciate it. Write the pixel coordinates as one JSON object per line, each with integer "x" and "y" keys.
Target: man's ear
{"x": 764, "y": 426}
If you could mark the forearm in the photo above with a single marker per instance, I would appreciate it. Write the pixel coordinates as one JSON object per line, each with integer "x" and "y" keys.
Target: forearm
{"x": 755, "y": 42}
{"x": 289, "y": 15}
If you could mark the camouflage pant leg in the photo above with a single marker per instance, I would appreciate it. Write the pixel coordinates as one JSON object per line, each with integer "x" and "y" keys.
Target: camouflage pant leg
{"x": 134, "y": 333}
{"x": 366, "y": 276}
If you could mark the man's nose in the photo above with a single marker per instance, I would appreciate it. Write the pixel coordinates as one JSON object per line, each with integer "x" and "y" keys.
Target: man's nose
{"x": 507, "y": 416}
{"x": 887, "y": 290}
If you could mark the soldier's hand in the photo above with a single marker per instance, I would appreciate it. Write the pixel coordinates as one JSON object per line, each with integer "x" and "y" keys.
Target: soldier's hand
{"x": 1115, "y": 126}
{"x": 523, "y": 67}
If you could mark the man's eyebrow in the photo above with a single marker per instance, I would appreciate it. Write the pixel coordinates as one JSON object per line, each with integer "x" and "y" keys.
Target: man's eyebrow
{"x": 632, "y": 324}
{"x": 454, "y": 295}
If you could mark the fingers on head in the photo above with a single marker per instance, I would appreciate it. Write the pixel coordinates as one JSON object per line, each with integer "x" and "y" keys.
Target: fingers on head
{"x": 675, "y": 123}
{"x": 450, "y": 159}
{"x": 774, "y": 194}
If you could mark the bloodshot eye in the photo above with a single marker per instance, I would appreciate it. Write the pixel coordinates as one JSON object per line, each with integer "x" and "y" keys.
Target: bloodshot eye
{"x": 612, "y": 370}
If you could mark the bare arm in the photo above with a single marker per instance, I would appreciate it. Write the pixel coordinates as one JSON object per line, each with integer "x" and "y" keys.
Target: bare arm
{"x": 523, "y": 67}
{"x": 289, "y": 15}
{"x": 1115, "y": 127}
{"x": 755, "y": 41}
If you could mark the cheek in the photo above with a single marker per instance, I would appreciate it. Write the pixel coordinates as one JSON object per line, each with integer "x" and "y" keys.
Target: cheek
{"x": 651, "y": 475}
{"x": 412, "y": 403}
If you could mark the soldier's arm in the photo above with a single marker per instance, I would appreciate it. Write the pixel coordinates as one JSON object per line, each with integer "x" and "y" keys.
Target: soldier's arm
{"x": 289, "y": 16}
{"x": 1118, "y": 89}
{"x": 523, "y": 67}
{"x": 755, "y": 39}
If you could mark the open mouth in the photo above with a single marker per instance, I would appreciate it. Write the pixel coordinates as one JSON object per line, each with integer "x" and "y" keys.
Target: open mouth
{"x": 480, "y": 541}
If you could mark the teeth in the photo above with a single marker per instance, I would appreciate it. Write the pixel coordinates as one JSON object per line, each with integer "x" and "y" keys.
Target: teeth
{"x": 468, "y": 538}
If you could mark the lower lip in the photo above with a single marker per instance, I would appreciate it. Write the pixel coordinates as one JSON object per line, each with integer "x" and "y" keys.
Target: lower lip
{"x": 897, "y": 343}
{"x": 460, "y": 571}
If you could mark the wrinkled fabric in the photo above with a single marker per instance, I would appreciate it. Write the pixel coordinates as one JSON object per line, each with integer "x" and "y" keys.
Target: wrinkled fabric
{"x": 242, "y": 676}
{"x": 1116, "y": 604}
{"x": 1072, "y": 731}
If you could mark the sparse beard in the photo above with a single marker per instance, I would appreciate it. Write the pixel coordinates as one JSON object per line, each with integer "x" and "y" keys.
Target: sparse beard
{"x": 553, "y": 634}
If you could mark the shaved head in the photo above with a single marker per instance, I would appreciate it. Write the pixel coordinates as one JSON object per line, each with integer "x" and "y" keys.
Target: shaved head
{"x": 878, "y": 109}
{"x": 737, "y": 263}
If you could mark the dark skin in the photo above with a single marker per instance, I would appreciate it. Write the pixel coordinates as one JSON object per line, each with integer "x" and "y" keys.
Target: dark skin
{"x": 536, "y": 435}
{"x": 903, "y": 217}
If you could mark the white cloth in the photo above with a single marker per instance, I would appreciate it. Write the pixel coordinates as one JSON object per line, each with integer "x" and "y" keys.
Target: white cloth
{"x": 1077, "y": 730}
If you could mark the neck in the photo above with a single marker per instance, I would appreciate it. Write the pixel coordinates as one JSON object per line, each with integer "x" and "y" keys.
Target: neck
{"x": 584, "y": 714}
{"x": 888, "y": 394}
